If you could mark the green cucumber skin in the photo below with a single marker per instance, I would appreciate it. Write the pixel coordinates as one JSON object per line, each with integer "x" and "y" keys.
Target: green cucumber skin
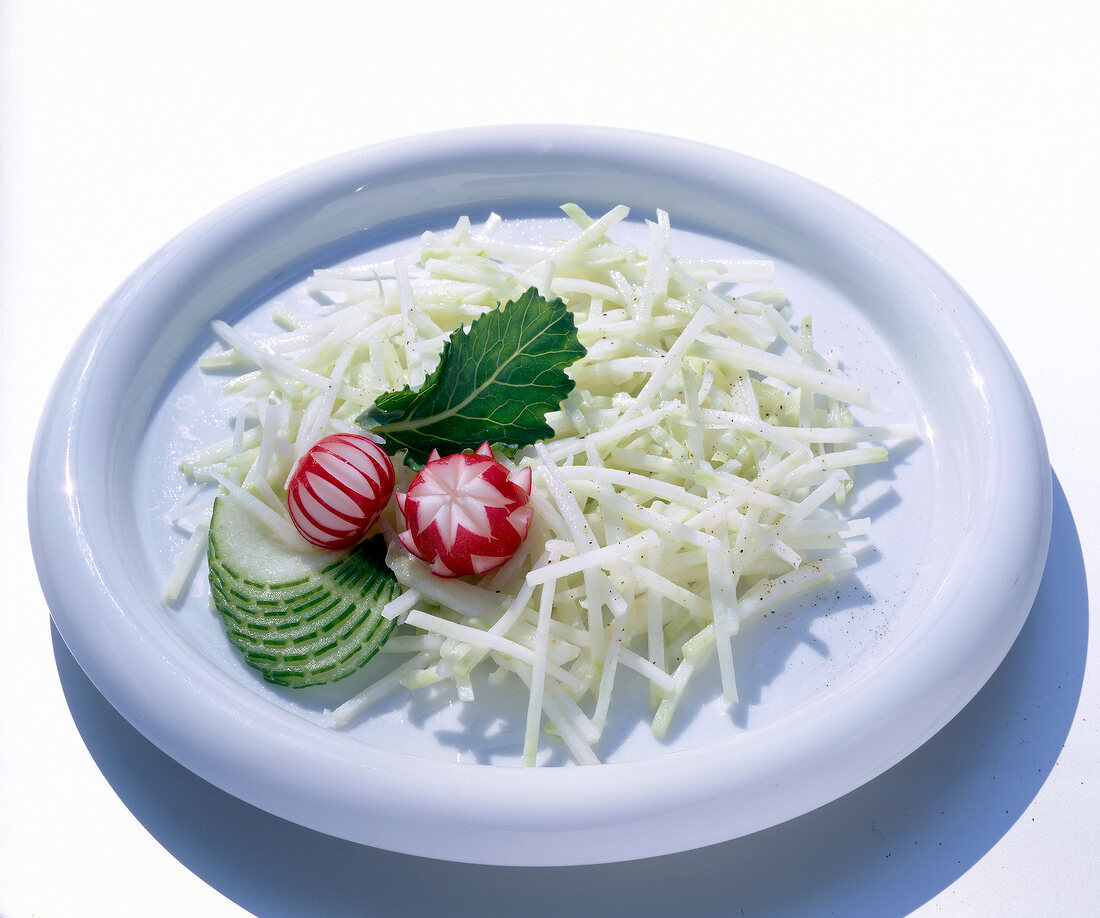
{"x": 311, "y": 631}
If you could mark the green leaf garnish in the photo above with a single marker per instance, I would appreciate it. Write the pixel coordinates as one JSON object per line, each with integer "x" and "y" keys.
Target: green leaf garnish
{"x": 495, "y": 382}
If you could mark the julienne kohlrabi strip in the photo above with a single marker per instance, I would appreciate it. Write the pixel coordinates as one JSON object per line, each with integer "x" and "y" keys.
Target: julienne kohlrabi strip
{"x": 692, "y": 479}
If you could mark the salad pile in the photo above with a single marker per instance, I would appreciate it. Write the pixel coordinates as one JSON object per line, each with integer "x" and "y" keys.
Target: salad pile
{"x": 550, "y": 461}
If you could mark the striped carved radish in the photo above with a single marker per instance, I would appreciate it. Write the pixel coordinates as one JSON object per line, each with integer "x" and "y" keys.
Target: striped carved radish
{"x": 465, "y": 513}
{"x": 339, "y": 489}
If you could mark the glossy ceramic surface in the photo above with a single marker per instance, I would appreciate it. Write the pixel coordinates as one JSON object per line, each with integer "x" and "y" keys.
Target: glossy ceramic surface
{"x": 835, "y": 692}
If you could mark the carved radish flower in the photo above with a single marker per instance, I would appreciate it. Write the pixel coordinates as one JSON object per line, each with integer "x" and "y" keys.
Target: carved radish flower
{"x": 339, "y": 489}
{"x": 466, "y": 514}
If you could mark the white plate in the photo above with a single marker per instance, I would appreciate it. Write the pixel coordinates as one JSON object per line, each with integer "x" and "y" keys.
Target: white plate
{"x": 836, "y": 691}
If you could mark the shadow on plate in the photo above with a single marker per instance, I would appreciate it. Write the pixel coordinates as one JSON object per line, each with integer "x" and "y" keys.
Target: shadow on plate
{"x": 889, "y": 846}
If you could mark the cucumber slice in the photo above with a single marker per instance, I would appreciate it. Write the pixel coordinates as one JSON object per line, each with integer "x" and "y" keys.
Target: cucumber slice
{"x": 300, "y": 618}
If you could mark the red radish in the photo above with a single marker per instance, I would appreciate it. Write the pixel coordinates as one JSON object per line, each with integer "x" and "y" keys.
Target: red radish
{"x": 466, "y": 514}
{"x": 339, "y": 489}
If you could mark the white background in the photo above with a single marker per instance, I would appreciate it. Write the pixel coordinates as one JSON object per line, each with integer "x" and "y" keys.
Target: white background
{"x": 971, "y": 127}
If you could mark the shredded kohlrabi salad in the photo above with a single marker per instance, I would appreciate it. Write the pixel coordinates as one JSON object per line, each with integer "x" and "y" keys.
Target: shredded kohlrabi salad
{"x": 694, "y": 480}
